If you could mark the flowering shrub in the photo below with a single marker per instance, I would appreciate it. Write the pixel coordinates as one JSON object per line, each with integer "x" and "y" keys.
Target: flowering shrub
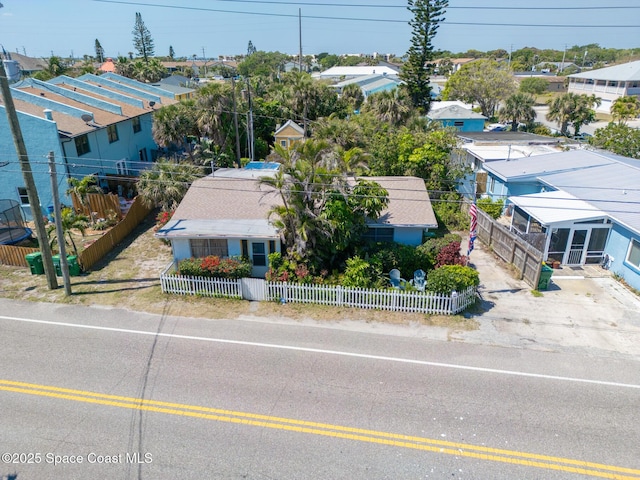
{"x": 214, "y": 266}
{"x": 285, "y": 270}
{"x": 450, "y": 255}
{"x": 162, "y": 219}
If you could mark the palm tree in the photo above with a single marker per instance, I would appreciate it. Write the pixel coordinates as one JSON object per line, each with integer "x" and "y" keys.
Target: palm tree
{"x": 389, "y": 106}
{"x": 625, "y": 108}
{"x": 300, "y": 94}
{"x": 353, "y": 161}
{"x": 352, "y": 95}
{"x": 572, "y": 108}
{"x": 518, "y": 108}
{"x": 70, "y": 221}
{"x": 173, "y": 124}
{"x": 214, "y": 107}
{"x": 166, "y": 184}
{"x": 82, "y": 188}
{"x": 305, "y": 181}
{"x": 342, "y": 132}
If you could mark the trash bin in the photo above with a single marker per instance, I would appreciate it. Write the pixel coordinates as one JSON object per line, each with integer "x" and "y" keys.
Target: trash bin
{"x": 35, "y": 263}
{"x": 56, "y": 264}
{"x": 72, "y": 263}
{"x": 545, "y": 277}
{"x": 74, "y": 266}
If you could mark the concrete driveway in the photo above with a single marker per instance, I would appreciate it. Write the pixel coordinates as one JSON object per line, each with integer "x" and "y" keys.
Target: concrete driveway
{"x": 585, "y": 310}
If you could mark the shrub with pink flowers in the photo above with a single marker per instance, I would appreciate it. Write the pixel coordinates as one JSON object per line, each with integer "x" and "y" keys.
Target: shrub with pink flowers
{"x": 162, "y": 219}
{"x": 216, "y": 267}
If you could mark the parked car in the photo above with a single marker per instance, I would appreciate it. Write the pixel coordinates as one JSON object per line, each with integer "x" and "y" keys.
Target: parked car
{"x": 582, "y": 137}
{"x": 496, "y": 127}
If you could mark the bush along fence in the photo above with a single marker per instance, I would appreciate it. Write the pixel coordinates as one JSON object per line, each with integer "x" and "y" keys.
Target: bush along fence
{"x": 332, "y": 295}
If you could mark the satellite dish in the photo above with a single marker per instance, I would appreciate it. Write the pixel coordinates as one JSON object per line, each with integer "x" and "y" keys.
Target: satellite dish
{"x": 86, "y": 118}
{"x": 152, "y": 103}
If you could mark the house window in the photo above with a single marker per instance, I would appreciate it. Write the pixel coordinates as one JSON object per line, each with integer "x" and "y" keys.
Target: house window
{"x": 203, "y": 247}
{"x": 259, "y": 254}
{"x": 272, "y": 246}
{"x": 135, "y": 121}
{"x": 245, "y": 249}
{"x": 142, "y": 154}
{"x": 492, "y": 184}
{"x": 24, "y": 197}
{"x": 633, "y": 256}
{"x": 458, "y": 123}
{"x": 121, "y": 167}
{"x": 283, "y": 143}
{"x": 82, "y": 145}
{"x": 379, "y": 234}
{"x": 112, "y": 132}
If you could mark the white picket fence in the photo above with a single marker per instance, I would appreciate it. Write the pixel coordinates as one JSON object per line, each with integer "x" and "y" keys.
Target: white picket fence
{"x": 333, "y": 295}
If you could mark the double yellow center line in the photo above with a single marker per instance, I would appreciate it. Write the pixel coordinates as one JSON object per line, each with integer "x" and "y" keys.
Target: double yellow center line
{"x": 328, "y": 430}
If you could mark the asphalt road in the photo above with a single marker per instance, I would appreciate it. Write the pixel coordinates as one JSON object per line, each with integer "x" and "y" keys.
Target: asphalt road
{"x": 134, "y": 395}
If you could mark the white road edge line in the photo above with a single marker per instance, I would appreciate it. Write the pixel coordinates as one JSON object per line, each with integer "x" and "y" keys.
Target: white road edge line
{"x": 326, "y": 352}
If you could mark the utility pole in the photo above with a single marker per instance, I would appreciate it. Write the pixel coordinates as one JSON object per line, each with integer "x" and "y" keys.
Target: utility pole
{"x": 250, "y": 121}
{"x": 64, "y": 266}
{"x": 235, "y": 119}
{"x": 300, "y": 36}
{"x": 30, "y": 185}
{"x": 564, "y": 54}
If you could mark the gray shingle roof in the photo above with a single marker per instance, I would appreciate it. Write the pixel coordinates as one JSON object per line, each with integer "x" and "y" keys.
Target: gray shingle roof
{"x": 218, "y": 199}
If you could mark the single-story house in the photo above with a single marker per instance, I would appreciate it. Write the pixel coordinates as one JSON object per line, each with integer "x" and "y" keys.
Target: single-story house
{"x": 578, "y": 207}
{"x": 343, "y": 72}
{"x": 288, "y": 134}
{"x": 370, "y": 84}
{"x": 227, "y": 214}
{"x": 608, "y": 83}
{"x": 480, "y": 148}
{"x": 463, "y": 119}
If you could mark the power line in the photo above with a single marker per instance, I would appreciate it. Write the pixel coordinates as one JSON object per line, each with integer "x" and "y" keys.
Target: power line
{"x": 361, "y": 19}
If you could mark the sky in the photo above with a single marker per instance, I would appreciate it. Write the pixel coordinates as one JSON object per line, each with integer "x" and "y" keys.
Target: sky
{"x": 210, "y": 28}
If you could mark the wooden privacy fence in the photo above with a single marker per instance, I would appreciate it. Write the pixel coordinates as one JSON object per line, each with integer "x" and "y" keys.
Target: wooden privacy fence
{"x": 511, "y": 248}
{"x": 332, "y": 295}
{"x": 99, "y": 205}
{"x": 98, "y": 249}
{"x": 13, "y": 255}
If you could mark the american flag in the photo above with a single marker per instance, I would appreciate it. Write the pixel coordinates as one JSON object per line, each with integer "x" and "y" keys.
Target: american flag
{"x": 473, "y": 227}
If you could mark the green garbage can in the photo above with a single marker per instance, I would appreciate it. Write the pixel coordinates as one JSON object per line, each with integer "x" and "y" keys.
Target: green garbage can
{"x": 35, "y": 263}
{"x": 72, "y": 263}
{"x": 56, "y": 264}
{"x": 74, "y": 266}
{"x": 545, "y": 277}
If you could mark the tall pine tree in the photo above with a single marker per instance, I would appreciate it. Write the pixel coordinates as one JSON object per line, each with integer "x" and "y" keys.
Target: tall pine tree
{"x": 416, "y": 72}
{"x": 142, "y": 40}
{"x": 99, "y": 52}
